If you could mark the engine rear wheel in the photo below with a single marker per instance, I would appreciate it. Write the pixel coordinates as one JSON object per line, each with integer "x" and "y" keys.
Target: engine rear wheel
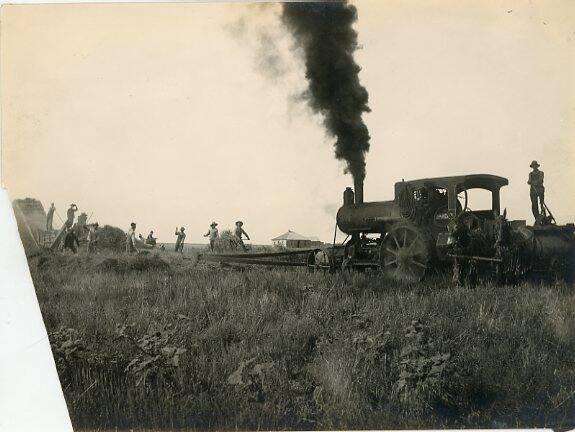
{"x": 404, "y": 254}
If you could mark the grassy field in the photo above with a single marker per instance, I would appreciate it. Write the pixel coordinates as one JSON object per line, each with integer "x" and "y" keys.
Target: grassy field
{"x": 158, "y": 342}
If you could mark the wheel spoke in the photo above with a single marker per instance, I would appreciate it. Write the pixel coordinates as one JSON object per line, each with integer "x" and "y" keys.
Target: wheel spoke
{"x": 417, "y": 263}
{"x": 420, "y": 245}
{"x": 412, "y": 243}
{"x": 406, "y": 272}
{"x": 391, "y": 251}
{"x": 421, "y": 255}
{"x": 388, "y": 263}
{"x": 395, "y": 240}
{"x": 409, "y": 274}
{"x": 404, "y": 237}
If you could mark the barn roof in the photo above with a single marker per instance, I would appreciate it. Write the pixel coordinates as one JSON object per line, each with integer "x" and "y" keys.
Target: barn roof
{"x": 290, "y": 235}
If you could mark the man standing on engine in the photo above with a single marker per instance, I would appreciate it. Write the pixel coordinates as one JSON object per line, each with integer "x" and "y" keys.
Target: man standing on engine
{"x": 537, "y": 192}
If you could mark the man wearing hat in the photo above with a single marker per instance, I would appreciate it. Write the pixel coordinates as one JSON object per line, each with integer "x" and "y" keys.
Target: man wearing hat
{"x": 71, "y": 214}
{"x": 537, "y": 191}
{"x": 71, "y": 240}
{"x": 131, "y": 239}
{"x": 239, "y": 231}
{"x": 151, "y": 240}
{"x": 212, "y": 234}
{"x": 180, "y": 240}
{"x": 92, "y": 237}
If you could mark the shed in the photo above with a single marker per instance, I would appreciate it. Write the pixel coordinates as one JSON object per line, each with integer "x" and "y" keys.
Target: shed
{"x": 315, "y": 241}
{"x": 291, "y": 239}
{"x": 31, "y": 220}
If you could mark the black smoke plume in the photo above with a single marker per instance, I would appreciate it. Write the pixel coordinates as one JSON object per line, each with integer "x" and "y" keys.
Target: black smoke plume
{"x": 324, "y": 31}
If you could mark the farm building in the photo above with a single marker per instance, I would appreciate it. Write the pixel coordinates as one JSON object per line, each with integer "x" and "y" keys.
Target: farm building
{"x": 34, "y": 212}
{"x": 291, "y": 239}
{"x": 315, "y": 241}
{"x": 31, "y": 220}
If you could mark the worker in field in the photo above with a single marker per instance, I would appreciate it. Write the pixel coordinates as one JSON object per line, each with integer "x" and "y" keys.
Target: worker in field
{"x": 131, "y": 239}
{"x": 537, "y": 192}
{"x": 239, "y": 232}
{"x": 81, "y": 222}
{"x": 92, "y": 237}
{"x": 151, "y": 240}
{"x": 50, "y": 217}
{"x": 180, "y": 240}
{"x": 71, "y": 214}
{"x": 71, "y": 240}
{"x": 212, "y": 234}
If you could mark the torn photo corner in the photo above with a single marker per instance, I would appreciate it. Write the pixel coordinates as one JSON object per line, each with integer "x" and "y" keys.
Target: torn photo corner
{"x": 340, "y": 215}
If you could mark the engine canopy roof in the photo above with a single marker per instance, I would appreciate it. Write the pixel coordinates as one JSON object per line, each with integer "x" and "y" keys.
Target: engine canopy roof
{"x": 471, "y": 181}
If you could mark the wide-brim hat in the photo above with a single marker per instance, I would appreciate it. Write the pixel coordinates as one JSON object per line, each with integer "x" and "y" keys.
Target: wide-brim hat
{"x": 239, "y": 223}
{"x": 182, "y": 229}
{"x": 213, "y": 224}
{"x": 534, "y": 164}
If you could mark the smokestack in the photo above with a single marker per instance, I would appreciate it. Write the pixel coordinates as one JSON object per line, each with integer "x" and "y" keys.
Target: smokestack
{"x": 358, "y": 185}
{"x": 324, "y": 31}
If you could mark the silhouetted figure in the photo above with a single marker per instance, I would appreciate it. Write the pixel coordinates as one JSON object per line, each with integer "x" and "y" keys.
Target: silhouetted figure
{"x": 92, "y": 237}
{"x": 71, "y": 240}
{"x": 180, "y": 240}
{"x": 537, "y": 192}
{"x": 131, "y": 239}
{"x": 239, "y": 232}
{"x": 71, "y": 214}
{"x": 151, "y": 240}
{"x": 81, "y": 222}
{"x": 50, "y": 217}
{"x": 212, "y": 234}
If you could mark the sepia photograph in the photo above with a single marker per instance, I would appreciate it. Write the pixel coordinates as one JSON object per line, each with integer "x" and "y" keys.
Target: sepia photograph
{"x": 327, "y": 215}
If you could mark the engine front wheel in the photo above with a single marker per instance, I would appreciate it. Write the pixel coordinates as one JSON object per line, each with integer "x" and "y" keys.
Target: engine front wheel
{"x": 404, "y": 254}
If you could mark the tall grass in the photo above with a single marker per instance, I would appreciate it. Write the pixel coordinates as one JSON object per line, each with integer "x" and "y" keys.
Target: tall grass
{"x": 286, "y": 349}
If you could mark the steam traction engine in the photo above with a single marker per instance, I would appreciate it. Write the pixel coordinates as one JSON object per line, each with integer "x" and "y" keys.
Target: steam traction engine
{"x": 430, "y": 225}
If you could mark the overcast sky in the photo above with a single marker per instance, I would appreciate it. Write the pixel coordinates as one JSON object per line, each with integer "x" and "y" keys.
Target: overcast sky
{"x": 180, "y": 114}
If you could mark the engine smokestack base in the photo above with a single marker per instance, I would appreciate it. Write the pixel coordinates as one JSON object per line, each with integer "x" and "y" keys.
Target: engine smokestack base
{"x": 348, "y": 196}
{"x": 358, "y": 186}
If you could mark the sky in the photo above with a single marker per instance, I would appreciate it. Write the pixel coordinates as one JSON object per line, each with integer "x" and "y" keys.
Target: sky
{"x": 181, "y": 114}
